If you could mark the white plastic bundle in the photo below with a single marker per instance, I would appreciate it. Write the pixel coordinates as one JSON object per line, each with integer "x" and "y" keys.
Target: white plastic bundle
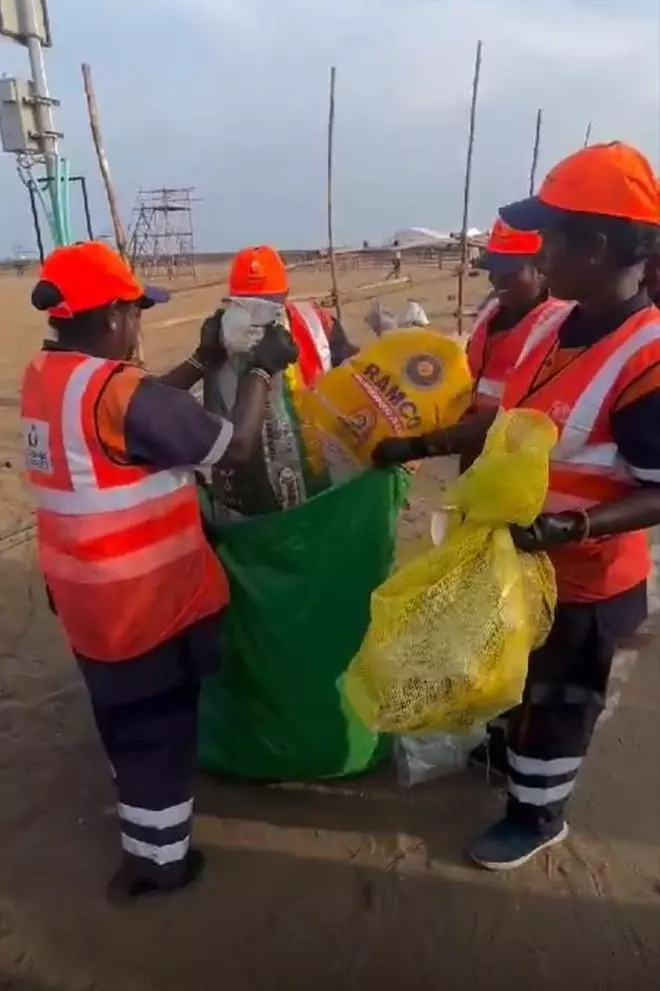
{"x": 244, "y": 320}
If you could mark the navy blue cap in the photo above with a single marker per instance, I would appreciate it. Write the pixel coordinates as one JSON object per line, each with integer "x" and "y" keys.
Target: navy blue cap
{"x": 153, "y": 295}
{"x": 531, "y": 214}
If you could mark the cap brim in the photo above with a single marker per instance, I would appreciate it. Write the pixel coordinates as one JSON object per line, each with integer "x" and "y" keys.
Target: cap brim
{"x": 531, "y": 214}
{"x": 153, "y": 295}
{"x": 500, "y": 263}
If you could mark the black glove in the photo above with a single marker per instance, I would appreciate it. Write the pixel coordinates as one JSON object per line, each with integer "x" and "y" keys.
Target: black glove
{"x": 211, "y": 351}
{"x": 398, "y": 450}
{"x": 550, "y": 530}
{"x": 275, "y": 351}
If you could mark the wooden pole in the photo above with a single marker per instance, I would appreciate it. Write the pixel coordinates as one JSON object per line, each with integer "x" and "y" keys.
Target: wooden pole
{"x": 331, "y": 144}
{"x": 587, "y": 137}
{"x": 535, "y": 153}
{"x": 104, "y": 168}
{"x": 466, "y": 192}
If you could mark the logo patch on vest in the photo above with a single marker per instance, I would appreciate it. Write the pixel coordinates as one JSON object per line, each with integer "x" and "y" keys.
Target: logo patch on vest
{"x": 36, "y": 438}
{"x": 424, "y": 371}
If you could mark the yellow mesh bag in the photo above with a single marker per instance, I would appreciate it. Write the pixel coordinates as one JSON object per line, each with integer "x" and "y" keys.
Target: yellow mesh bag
{"x": 450, "y": 633}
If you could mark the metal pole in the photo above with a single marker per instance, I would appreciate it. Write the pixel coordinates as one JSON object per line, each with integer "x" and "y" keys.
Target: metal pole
{"x": 35, "y": 219}
{"x": 44, "y": 111}
{"x": 88, "y": 216}
{"x": 466, "y": 190}
{"x": 331, "y": 245}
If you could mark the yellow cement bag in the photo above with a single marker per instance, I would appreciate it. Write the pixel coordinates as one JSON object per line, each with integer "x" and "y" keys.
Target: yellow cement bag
{"x": 406, "y": 383}
{"x": 450, "y": 633}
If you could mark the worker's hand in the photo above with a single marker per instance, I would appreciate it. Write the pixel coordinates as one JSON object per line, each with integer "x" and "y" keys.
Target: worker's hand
{"x": 398, "y": 450}
{"x": 211, "y": 351}
{"x": 275, "y": 351}
{"x": 550, "y": 530}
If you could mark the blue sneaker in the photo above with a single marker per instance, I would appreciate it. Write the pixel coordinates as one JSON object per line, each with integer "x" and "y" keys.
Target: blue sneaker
{"x": 506, "y": 845}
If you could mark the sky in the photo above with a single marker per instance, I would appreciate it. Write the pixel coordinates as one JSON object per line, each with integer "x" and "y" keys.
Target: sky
{"x": 230, "y": 96}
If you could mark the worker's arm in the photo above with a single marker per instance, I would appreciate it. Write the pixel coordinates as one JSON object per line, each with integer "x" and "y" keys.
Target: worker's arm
{"x": 141, "y": 420}
{"x": 465, "y": 437}
{"x": 210, "y": 353}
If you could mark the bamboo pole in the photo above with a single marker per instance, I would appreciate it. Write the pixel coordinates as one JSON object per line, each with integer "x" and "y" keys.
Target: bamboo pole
{"x": 104, "y": 169}
{"x": 535, "y": 153}
{"x": 466, "y": 191}
{"x": 331, "y": 144}
{"x": 587, "y": 137}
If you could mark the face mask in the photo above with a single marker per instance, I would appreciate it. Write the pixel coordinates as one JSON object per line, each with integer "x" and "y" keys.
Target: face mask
{"x": 244, "y": 320}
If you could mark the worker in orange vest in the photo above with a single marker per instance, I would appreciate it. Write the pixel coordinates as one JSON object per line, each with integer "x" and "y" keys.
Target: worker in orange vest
{"x": 136, "y": 587}
{"x": 519, "y": 299}
{"x": 597, "y": 375}
{"x": 259, "y": 288}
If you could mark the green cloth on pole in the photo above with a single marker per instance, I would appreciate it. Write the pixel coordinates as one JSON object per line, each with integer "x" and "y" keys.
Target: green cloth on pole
{"x": 301, "y": 581}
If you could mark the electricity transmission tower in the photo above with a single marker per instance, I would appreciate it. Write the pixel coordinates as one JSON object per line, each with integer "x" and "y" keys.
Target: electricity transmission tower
{"x": 162, "y": 238}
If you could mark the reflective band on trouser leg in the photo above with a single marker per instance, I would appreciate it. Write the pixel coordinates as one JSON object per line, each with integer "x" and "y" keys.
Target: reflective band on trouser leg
{"x": 552, "y": 729}
{"x": 161, "y": 837}
{"x": 152, "y": 744}
{"x": 546, "y": 751}
{"x": 543, "y": 786}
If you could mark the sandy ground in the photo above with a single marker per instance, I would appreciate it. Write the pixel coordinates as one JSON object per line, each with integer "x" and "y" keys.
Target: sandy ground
{"x": 355, "y": 886}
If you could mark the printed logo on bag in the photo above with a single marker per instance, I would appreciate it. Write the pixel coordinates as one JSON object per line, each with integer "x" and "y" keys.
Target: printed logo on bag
{"x": 361, "y": 423}
{"x": 389, "y": 398}
{"x": 424, "y": 371}
{"x": 36, "y": 438}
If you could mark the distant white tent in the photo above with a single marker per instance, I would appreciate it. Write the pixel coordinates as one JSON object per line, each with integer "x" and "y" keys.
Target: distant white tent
{"x": 413, "y": 237}
{"x": 425, "y": 237}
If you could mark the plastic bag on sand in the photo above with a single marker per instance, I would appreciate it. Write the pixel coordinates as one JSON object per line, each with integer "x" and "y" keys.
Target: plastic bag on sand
{"x": 414, "y": 316}
{"x": 435, "y": 755}
{"x": 450, "y": 633}
{"x": 379, "y": 318}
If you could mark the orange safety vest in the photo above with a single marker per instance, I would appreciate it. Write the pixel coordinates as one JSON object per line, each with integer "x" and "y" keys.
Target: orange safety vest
{"x": 121, "y": 546}
{"x": 492, "y": 356}
{"x": 586, "y": 468}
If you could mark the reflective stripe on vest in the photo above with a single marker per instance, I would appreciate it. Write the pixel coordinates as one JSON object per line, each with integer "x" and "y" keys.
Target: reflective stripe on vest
{"x": 477, "y": 343}
{"x": 548, "y": 322}
{"x": 586, "y": 467}
{"x": 584, "y": 414}
{"x": 127, "y": 563}
{"x": 86, "y": 497}
{"x": 492, "y": 360}
{"x": 491, "y": 388}
{"x": 310, "y": 316}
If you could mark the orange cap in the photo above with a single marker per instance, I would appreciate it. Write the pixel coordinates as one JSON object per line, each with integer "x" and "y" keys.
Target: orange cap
{"x": 504, "y": 240}
{"x": 258, "y": 272}
{"x": 612, "y": 180}
{"x": 88, "y": 275}
{"x": 508, "y": 251}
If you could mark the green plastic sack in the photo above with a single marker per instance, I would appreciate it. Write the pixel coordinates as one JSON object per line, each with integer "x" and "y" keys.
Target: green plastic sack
{"x": 301, "y": 583}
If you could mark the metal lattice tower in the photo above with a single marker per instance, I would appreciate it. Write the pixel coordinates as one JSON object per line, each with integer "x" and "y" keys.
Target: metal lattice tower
{"x": 162, "y": 238}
